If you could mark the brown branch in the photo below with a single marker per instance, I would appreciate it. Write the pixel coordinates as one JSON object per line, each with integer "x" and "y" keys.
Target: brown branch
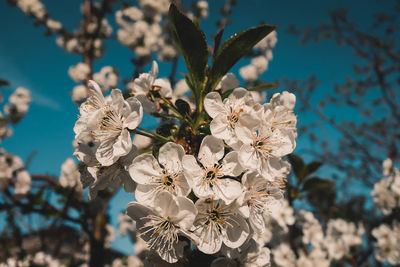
{"x": 47, "y": 178}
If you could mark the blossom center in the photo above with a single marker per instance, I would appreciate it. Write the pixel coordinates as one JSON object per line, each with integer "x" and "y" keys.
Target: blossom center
{"x": 111, "y": 122}
{"x": 168, "y": 180}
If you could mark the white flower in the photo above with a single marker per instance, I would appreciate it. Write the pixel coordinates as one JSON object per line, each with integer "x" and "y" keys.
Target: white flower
{"x": 286, "y": 99}
{"x": 126, "y": 225}
{"x": 284, "y": 255}
{"x": 133, "y": 13}
{"x": 53, "y": 25}
{"x": 259, "y": 195}
{"x": 85, "y": 147}
{"x": 21, "y": 98}
{"x": 109, "y": 123}
{"x": 79, "y": 93}
{"x": 100, "y": 177}
{"x": 107, "y": 78}
{"x": 211, "y": 179}
{"x": 263, "y": 147}
{"x": 142, "y": 142}
{"x": 161, "y": 226}
{"x": 261, "y": 64}
{"x": 203, "y": 9}
{"x": 79, "y": 72}
{"x": 249, "y": 72}
{"x": 23, "y": 184}
{"x": 388, "y": 243}
{"x": 70, "y": 176}
{"x": 218, "y": 223}
{"x": 227, "y": 113}
{"x": 147, "y": 89}
{"x": 153, "y": 179}
{"x": 228, "y": 82}
{"x": 283, "y": 214}
{"x": 250, "y": 254}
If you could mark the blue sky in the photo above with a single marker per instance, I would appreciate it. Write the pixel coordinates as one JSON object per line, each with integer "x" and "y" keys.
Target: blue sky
{"x": 29, "y": 59}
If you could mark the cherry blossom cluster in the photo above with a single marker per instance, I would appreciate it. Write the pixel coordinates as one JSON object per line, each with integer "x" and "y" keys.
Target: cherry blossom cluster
{"x": 38, "y": 259}
{"x": 18, "y": 104}
{"x": 388, "y": 242}
{"x": 107, "y": 78}
{"x": 103, "y": 141}
{"x": 96, "y": 30}
{"x": 36, "y": 9}
{"x": 12, "y": 170}
{"x": 320, "y": 247}
{"x": 386, "y": 192}
{"x": 141, "y": 29}
{"x": 235, "y": 176}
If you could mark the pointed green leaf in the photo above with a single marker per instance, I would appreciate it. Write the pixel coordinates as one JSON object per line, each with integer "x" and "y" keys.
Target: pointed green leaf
{"x": 191, "y": 42}
{"x": 217, "y": 40}
{"x": 317, "y": 184}
{"x": 234, "y": 49}
{"x": 263, "y": 86}
{"x": 298, "y": 166}
{"x": 313, "y": 167}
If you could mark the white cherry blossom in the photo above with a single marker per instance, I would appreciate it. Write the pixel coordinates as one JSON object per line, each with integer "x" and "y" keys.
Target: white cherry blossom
{"x": 147, "y": 89}
{"x": 228, "y": 82}
{"x": 109, "y": 123}
{"x": 209, "y": 176}
{"x": 100, "y": 177}
{"x": 218, "y": 223}
{"x": 160, "y": 227}
{"x": 263, "y": 147}
{"x": 259, "y": 195}
{"x": 227, "y": 113}
{"x": 154, "y": 176}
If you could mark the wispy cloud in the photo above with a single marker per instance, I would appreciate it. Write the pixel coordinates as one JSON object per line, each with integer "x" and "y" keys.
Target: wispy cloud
{"x": 12, "y": 73}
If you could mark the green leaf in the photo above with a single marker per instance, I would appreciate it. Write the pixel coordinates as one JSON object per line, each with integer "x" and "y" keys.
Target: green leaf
{"x": 234, "y": 49}
{"x": 317, "y": 184}
{"x": 217, "y": 41}
{"x": 191, "y": 42}
{"x": 312, "y": 167}
{"x": 298, "y": 166}
{"x": 263, "y": 86}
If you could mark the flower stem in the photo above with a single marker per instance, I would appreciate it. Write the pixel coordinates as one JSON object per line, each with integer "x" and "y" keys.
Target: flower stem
{"x": 151, "y": 134}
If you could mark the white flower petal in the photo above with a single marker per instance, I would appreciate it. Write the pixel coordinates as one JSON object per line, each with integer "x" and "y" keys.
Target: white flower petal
{"x": 123, "y": 145}
{"x": 213, "y": 104}
{"x": 231, "y": 165}
{"x": 117, "y": 100}
{"x": 187, "y": 213}
{"x": 248, "y": 157}
{"x": 144, "y": 168}
{"x": 211, "y": 150}
{"x": 135, "y": 116}
{"x": 219, "y": 127}
{"x": 170, "y": 156}
{"x": 145, "y": 194}
{"x": 167, "y": 204}
{"x": 236, "y": 232}
{"x": 191, "y": 169}
{"x": 228, "y": 189}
